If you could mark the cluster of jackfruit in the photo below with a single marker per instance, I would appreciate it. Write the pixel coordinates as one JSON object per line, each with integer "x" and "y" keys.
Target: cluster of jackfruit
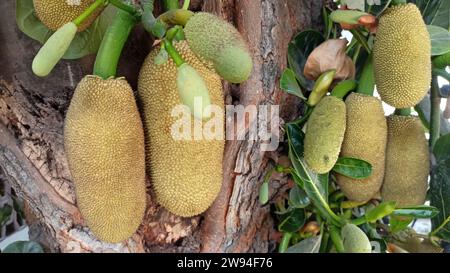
{"x": 55, "y": 14}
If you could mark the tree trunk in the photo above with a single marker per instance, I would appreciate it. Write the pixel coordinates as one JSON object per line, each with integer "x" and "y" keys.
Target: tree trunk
{"x": 32, "y": 155}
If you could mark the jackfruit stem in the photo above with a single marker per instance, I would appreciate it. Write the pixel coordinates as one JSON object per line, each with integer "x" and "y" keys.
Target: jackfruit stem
{"x": 366, "y": 85}
{"x": 186, "y": 4}
{"x": 170, "y": 4}
{"x": 88, "y": 12}
{"x": 176, "y": 17}
{"x": 112, "y": 44}
{"x": 121, "y": 5}
{"x": 435, "y": 117}
{"x": 398, "y": 2}
{"x": 336, "y": 239}
{"x": 441, "y": 73}
{"x": 284, "y": 244}
{"x": 403, "y": 112}
{"x": 173, "y": 53}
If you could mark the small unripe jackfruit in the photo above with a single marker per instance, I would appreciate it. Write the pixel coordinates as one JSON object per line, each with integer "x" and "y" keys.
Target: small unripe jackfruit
{"x": 407, "y": 162}
{"x": 365, "y": 138}
{"x": 402, "y": 57}
{"x": 324, "y": 134}
{"x": 55, "y": 14}
{"x": 193, "y": 91}
{"x": 186, "y": 174}
{"x": 355, "y": 240}
{"x": 219, "y": 42}
{"x": 104, "y": 142}
{"x": 53, "y": 50}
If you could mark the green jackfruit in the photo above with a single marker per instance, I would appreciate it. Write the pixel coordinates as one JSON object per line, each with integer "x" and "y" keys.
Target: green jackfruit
{"x": 55, "y": 14}
{"x": 402, "y": 57}
{"x": 186, "y": 174}
{"x": 324, "y": 134}
{"x": 219, "y": 42}
{"x": 355, "y": 240}
{"x": 104, "y": 142}
{"x": 365, "y": 138}
{"x": 407, "y": 162}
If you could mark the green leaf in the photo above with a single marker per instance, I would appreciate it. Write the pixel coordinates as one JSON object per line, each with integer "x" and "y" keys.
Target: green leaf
{"x": 298, "y": 52}
{"x": 434, "y": 12}
{"x": 298, "y": 198}
{"x": 382, "y": 210}
{"x": 353, "y": 168}
{"x": 310, "y": 245}
{"x": 264, "y": 193}
{"x": 289, "y": 84}
{"x": 292, "y": 220}
{"x": 423, "y": 109}
{"x": 23, "y": 247}
{"x": 5, "y": 213}
{"x": 442, "y": 148}
{"x": 85, "y": 43}
{"x": 440, "y": 40}
{"x": 296, "y": 138}
{"x": 398, "y": 224}
{"x": 419, "y": 212}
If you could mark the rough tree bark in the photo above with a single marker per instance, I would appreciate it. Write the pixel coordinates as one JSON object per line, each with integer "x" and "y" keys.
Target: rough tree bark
{"x": 32, "y": 155}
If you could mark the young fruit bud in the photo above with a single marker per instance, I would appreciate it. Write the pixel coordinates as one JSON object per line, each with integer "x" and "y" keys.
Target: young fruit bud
{"x": 219, "y": 42}
{"x": 355, "y": 240}
{"x": 53, "y": 50}
{"x": 193, "y": 91}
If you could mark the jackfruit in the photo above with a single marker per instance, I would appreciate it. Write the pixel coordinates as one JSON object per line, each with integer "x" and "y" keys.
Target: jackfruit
{"x": 218, "y": 41}
{"x": 407, "y": 162}
{"x": 355, "y": 240}
{"x": 324, "y": 134}
{"x": 55, "y": 14}
{"x": 402, "y": 57}
{"x": 186, "y": 174}
{"x": 104, "y": 142}
{"x": 365, "y": 138}
{"x": 53, "y": 50}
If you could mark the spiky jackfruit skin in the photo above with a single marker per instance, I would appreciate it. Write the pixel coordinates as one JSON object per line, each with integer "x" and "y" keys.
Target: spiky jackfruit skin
{"x": 324, "y": 134}
{"x": 218, "y": 41}
{"x": 186, "y": 174}
{"x": 402, "y": 57}
{"x": 104, "y": 143}
{"x": 55, "y": 14}
{"x": 407, "y": 162}
{"x": 365, "y": 138}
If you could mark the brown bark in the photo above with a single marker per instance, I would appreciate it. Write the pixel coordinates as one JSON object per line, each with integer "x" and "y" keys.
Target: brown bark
{"x": 32, "y": 155}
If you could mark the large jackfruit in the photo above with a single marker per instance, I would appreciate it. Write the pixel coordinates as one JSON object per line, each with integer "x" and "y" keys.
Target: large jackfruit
{"x": 186, "y": 174}
{"x": 407, "y": 162}
{"x": 402, "y": 57}
{"x": 218, "y": 41}
{"x": 365, "y": 138}
{"x": 55, "y": 14}
{"x": 324, "y": 134}
{"x": 104, "y": 142}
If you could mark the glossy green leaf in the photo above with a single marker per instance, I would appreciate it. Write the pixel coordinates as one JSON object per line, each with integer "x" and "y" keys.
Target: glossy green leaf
{"x": 84, "y": 43}
{"x": 442, "y": 148}
{"x": 298, "y": 198}
{"x": 298, "y": 52}
{"x": 5, "y": 213}
{"x": 292, "y": 220}
{"x": 398, "y": 224}
{"x": 419, "y": 212}
{"x": 289, "y": 84}
{"x": 296, "y": 138}
{"x": 24, "y": 247}
{"x": 380, "y": 211}
{"x": 440, "y": 40}
{"x": 353, "y": 168}
{"x": 310, "y": 245}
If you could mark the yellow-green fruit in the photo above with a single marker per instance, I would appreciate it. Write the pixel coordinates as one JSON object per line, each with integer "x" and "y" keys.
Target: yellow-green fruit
{"x": 407, "y": 162}
{"x": 104, "y": 142}
{"x": 54, "y": 13}
{"x": 186, "y": 174}
{"x": 355, "y": 240}
{"x": 218, "y": 41}
{"x": 365, "y": 138}
{"x": 402, "y": 57}
{"x": 324, "y": 134}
